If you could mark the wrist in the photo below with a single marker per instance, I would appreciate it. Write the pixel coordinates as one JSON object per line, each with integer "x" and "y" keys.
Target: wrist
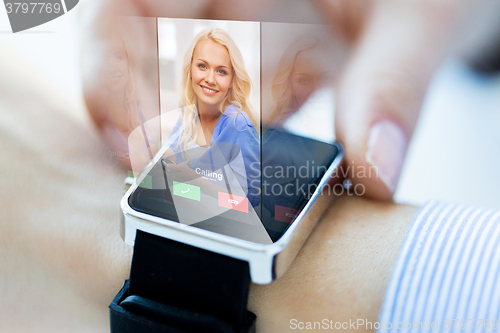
{"x": 343, "y": 269}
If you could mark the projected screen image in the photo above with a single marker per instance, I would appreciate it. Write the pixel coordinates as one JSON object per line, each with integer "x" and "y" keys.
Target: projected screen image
{"x": 223, "y": 169}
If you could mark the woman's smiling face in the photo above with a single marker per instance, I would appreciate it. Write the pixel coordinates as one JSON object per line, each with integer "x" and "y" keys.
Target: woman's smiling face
{"x": 305, "y": 76}
{"x": 211, "y": 74}
{"x": 117, "y": 66}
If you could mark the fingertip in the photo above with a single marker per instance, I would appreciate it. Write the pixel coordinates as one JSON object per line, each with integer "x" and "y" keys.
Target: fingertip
{"x": 386, "y": 150}
{"x": 365, "y": 180}
{"x": 374, "y": 158}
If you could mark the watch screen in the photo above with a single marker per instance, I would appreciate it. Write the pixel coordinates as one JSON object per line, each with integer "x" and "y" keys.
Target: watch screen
{"x": 246, "y": 126}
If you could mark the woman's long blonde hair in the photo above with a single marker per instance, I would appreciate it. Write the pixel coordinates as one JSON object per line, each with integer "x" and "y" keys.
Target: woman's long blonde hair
{"x": 239, "y": 94}
{"x": 281, "y": 86}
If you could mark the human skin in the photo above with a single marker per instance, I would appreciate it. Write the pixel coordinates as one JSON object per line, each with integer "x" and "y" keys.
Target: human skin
{"x": 115, "y": 76}
{"x": 211, "y": 76}
{"x": 62, "y": 259}
{"x": 116, "y": 71}
{"x": 305, "y": 76}
{"x": 343, "y": 269}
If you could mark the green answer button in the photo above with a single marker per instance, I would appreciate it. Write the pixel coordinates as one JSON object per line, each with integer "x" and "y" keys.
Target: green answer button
{"x": 187, "y": 191}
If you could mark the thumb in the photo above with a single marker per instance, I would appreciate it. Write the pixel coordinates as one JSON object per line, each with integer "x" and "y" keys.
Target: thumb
{"x": 381, "y": 92}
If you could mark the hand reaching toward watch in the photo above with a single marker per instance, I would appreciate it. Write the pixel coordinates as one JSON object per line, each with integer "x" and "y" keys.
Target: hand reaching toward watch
{"x": 394, "y": 48}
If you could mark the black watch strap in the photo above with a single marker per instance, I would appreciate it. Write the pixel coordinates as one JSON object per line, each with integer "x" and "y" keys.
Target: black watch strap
{"x": 175, "y": 287}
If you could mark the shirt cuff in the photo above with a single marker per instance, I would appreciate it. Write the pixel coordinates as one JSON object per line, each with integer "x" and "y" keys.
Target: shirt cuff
{"x": 447, "y": 276}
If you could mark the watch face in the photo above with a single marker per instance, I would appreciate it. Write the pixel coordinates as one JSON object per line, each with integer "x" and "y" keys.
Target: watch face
{"x": 228, "y": 190}
{"x": 224, "y": 166}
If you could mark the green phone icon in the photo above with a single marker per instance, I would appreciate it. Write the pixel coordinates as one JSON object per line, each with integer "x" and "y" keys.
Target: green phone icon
{"x": 187, "y": 191}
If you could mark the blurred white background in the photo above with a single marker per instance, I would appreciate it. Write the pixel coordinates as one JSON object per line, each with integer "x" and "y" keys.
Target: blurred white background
{"x": 51, "y": 50}
{"x": 454, "y": 155}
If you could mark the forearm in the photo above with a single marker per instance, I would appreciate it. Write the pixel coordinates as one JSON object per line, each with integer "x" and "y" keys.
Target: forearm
{"x": 343, "y": 269}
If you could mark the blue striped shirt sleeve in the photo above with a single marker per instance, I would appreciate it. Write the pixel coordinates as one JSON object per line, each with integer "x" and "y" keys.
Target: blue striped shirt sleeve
{"x": 447, "y": 276}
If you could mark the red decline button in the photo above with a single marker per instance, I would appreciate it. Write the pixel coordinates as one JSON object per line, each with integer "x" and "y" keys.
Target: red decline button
{"x": 285, "y": 214}
{"x": 232, "y": 201}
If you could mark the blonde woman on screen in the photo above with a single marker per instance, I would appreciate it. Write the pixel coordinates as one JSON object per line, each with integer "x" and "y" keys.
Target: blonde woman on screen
{"x": 216, "y": 112}
{"x": 213, "y": 79}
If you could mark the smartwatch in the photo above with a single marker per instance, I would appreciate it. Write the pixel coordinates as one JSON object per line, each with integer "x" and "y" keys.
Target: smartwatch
{"x": 202, "y": 235}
